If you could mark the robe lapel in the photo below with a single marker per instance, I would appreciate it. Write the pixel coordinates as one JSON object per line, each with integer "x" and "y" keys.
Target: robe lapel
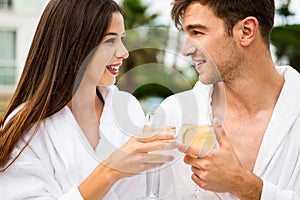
{"x": 284, "y": 115}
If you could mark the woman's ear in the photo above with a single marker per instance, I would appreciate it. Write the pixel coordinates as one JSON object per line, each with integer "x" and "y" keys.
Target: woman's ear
{"x": 247, "y": 30}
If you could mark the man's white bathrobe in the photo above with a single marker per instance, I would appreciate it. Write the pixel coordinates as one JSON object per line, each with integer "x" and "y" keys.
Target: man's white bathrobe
{"x": 278, "y": 161}
{"x": 59, "y": 157}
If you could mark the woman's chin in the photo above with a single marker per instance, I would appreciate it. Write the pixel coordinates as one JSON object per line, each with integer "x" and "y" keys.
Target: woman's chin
{"x": 107, "y": 83}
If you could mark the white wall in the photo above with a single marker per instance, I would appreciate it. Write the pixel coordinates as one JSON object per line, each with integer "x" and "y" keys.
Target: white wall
{"x": 29, "y": 6}
{"x": 22, "y": 18}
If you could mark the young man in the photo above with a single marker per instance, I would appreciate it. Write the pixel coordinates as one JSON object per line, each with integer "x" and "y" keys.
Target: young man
{"x": 256, "y": 103}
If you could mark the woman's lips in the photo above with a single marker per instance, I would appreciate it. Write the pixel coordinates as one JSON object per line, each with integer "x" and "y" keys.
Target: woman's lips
{"x": 113, "y": 69}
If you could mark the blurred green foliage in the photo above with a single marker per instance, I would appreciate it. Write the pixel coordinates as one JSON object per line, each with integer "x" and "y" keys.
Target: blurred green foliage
{"x": 286, "y": 39}
{"x": 147, "y": 43}
{"x": 136, "y": 14}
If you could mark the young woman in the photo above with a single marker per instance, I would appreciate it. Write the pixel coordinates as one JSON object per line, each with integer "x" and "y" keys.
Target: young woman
{"x": 51, "y": 146}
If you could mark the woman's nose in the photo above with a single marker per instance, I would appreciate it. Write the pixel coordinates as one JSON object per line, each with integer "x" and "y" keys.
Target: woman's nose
{"x": 122, "y": 52}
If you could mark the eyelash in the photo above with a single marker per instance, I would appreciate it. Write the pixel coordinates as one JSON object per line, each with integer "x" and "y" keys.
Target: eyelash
{"x": 196, "y": 32}
{"x": 112, "y": 40}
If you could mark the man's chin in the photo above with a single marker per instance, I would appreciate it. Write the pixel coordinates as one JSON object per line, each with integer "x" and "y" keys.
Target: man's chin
{"x": 204, "y": 80}
{"x": 207, "y": 80}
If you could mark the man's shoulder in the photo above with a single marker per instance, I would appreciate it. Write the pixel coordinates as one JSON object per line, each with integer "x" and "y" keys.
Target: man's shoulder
{"x": 288, "y": 72}
{"x": 291, "y": 78}
{"x": 191, "y": 101}
{"x": 197, "y": 92}
{"x": 180, "y": 98}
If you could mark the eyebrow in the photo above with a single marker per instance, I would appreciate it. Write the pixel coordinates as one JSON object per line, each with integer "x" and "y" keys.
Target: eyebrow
{"x": 115, "y": 34}
{"x": 195, "y": 26}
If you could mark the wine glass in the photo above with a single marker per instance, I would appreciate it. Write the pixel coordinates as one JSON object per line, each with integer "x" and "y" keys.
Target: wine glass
{"x": 202, "y": 136}
{"x": 155, "y": 124}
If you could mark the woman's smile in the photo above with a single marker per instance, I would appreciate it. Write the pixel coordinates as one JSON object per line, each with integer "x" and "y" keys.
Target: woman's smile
{"x": 114, "y": 69}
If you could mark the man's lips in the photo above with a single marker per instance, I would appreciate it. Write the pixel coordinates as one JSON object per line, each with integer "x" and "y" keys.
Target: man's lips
{"x": 199, "y": 65}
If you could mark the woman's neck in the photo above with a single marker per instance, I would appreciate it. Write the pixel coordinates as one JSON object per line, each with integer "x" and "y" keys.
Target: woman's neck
{"x": 87, "y": 110}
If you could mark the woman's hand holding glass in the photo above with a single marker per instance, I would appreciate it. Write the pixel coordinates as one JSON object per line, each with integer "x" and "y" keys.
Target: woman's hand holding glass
{"x": 157, "y": 123}
{"x": 134, "y": 157}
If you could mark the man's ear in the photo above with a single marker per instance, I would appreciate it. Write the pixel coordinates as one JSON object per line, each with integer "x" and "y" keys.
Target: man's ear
{"x": 247, "y": 30}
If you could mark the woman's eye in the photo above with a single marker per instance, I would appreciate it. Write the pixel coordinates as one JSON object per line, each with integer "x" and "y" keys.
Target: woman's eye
{"x": 111, "y": 40}
{"x": 123, "y": 39}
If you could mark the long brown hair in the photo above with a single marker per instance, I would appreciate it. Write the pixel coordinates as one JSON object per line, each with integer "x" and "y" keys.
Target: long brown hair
{"x": 67, "y": 32}
{"x": 231, "y": 11}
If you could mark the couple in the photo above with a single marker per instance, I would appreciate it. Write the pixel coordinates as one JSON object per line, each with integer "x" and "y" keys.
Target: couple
{"x": 55, "y": 109}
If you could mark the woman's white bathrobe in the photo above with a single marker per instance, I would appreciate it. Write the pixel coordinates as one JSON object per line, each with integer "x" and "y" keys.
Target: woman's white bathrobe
{"x": 278, "y": 161}
{"x": 59, "y": 157}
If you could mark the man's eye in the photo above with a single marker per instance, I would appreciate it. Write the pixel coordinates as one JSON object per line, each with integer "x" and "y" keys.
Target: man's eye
{"x": 197, "y": 33}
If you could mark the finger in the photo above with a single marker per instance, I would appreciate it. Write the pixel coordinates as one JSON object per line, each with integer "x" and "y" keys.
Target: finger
{"x": 182, "y": 147}
{"x": 222, "y": 139}
{"x": 196, "y": 170}
{"x": 156, "y": 146}
{"x": 193, "y": 161}
{"x": 198, "y": 173}
{"x": 148, "y": 166}
{"x": 201, "y": 183}
{"x": 219, "y": 131}
{"x": 187, "y": 159}
{"x": 157, "y": 158}
{"x": 159, "y": 134}
{"x": 135, "y": 146}
{"x": 134, "y": 168}
{"x": 193, "y": 150}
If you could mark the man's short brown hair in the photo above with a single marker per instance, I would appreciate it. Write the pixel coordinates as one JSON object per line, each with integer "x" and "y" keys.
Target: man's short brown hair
{"x": 232, "y": 11}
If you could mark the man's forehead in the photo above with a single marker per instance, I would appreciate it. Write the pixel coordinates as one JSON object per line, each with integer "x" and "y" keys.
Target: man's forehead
{"x": 192, "y": 17}
{"x": 199, "y": 16}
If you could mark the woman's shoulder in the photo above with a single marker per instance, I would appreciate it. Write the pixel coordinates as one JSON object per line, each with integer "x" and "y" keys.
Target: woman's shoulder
{"x": 52, "y": 129}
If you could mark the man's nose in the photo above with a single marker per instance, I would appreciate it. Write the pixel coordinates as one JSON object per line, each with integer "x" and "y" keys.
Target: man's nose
{"x": 189, "y": 47}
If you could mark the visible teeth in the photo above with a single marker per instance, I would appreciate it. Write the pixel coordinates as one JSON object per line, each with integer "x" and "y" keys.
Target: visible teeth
{"x": 113, "y": 68}
{"x": 201, "y": 62}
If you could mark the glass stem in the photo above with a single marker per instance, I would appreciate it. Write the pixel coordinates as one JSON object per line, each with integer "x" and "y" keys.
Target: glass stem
{"x": 153, "y": 181}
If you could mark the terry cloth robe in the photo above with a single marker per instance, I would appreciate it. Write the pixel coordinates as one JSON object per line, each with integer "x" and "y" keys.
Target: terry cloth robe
{"x": 278, "y": 161}
{"x": 59, "y": 158}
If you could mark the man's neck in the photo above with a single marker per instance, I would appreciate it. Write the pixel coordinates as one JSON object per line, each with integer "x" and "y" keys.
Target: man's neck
{"x": 251, "y": 94}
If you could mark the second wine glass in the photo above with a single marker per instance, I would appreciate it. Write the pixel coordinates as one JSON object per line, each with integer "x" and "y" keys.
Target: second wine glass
{"x": 202, "y": 137}
{"x": 156, "y": 123}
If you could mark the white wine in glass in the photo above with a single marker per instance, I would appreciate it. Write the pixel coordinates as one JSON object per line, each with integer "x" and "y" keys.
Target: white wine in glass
{"x": 200, "y": 136}
{"x": 203, "y": 137}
